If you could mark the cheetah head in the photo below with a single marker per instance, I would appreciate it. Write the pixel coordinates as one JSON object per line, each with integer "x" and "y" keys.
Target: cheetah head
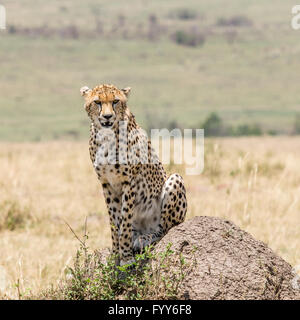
{"x": 105, "y": 104}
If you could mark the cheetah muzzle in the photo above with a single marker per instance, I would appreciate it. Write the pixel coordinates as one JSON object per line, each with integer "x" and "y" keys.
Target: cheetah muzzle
{"x": 142, "y": 202}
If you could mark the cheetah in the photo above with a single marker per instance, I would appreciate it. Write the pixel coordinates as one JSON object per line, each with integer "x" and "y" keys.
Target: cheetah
{"x": 142, "y": 202}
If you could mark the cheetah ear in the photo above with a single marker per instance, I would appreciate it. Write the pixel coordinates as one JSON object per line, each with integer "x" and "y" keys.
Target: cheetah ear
{"x": 84, "y": 91}
{"x": 126, "y": 91}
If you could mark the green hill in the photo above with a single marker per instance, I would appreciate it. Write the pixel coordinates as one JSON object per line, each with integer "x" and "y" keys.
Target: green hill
{"x": 183, "y": 60}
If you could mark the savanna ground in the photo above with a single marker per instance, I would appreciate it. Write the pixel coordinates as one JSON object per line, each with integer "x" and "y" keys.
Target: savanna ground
{"x": 254, "y": 182}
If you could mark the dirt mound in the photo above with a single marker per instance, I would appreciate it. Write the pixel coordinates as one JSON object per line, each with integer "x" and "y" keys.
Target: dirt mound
{"x": 229, "y": 263}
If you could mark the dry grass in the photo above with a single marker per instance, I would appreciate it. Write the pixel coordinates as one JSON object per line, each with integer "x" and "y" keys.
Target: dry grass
{"x": 255, "y": 182}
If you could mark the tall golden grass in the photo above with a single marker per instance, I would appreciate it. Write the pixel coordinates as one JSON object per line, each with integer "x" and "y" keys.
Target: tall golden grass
{"x": 255, "y": 182}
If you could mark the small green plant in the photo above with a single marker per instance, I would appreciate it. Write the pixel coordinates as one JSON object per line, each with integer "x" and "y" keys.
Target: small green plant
{"x": 96, "y": 276}
{"x": 149, "y": 277}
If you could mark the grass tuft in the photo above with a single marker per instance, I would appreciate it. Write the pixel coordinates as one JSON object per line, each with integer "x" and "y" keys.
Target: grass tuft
{"x": 13, "y": 216}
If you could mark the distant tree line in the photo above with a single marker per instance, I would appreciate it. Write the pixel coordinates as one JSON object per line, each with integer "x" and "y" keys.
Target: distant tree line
{"x": 188, "y": 32}
{"x": 214, "y": 126}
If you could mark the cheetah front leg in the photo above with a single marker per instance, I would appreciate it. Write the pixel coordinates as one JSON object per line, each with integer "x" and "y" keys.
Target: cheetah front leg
{"x": 113, "y": 204}
{"x": 125, "y": 230}
{"x": 173, "y": 211}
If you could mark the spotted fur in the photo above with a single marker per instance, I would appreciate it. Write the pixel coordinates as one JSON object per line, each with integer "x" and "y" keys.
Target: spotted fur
{"x": 143, "y": 204}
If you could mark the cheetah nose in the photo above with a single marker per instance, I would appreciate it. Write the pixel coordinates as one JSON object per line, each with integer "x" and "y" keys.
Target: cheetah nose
{"x": 107, "y": 116}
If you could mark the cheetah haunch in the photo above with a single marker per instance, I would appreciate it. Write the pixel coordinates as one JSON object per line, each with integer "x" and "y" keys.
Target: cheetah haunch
{"x": 143, "y": 204}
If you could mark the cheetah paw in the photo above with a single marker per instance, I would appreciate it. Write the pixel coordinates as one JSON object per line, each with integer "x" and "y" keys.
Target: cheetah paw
{"x": 127, "y": 262}
{"x": 140, "y": 243}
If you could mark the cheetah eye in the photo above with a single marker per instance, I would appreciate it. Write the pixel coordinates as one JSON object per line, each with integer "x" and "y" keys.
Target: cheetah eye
{"x": 115, "y": 101}
{"x": 98, "y": 103}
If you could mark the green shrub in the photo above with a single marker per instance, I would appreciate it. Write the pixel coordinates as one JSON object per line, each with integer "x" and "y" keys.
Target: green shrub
{"x": 213, "y": 125}
{"x": 184, "y": 14}
{"x": 188, "y": 38}
{"x": 148, "y": 278}
{"x": 273, "y": 132}
{"x": 248, "y": 130}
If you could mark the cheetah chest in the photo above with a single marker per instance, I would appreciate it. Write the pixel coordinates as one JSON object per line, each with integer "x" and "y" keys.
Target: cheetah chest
{"x": 110, "y": 175}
